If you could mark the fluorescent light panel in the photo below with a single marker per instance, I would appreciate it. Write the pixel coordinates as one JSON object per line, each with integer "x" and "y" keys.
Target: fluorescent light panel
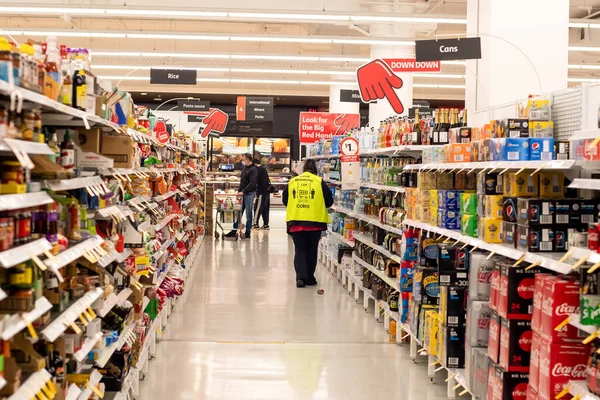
{"x": 129, "y": 12}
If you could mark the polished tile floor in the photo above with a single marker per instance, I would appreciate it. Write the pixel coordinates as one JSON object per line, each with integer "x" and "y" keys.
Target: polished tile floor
{"x": 245, "y": 332}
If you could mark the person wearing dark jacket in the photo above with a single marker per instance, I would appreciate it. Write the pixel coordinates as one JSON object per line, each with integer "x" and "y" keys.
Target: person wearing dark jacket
{"x": 307, "y": 199}
{"x": 247, "y": 191}
{"x": 263, "y": 197}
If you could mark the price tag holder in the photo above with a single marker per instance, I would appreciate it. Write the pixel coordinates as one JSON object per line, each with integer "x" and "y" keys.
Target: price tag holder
{"x": 350, "y": 164}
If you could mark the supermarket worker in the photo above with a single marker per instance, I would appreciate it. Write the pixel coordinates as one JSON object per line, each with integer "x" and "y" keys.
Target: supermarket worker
{"x": 307, "y": 199}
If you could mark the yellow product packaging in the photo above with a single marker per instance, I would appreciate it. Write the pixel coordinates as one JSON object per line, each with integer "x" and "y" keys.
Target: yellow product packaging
{"x": 423, "y": 197}
{"x": 426, "y": 180}
{"x": 521, "y": 184}
{"x": 541, "y": 129}
{"x": 552, "y": 184}
{"x": 433, "y": 199}
{"x": 535, "y": 109}
{"x": 423, "y": 213}
{"x": 445, "y": 181}
{"x": 424, "y": 309}
{"x": 433, "y": 217}
{"x": 490, "y": 230}
{"x": 431, "y": 330}
{"x": 493, "y": 204}
{"x": 443, "y": 302}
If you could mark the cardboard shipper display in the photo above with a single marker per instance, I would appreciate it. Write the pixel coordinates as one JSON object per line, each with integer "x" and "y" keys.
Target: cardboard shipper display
{"x": 118, "y": 148}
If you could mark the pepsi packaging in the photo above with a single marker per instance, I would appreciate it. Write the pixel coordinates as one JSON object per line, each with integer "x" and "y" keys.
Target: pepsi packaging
{"x": 562, "y": 233}
{"x": 449, "y": 199}
{"x": 449, "y": 219}
{"x": 515, "y": 345}
{"x": 535, "y": 239}
{"x": 516, "y": 149}
{"x": 453, "y": 305}
{"x": 541, "y": 149}
{"x": 453, "y": 266}
{"x": 510, "y": 209}
{"x": 535, "y": 211}
{"x": 497, "y": 149}
{"x": 590, "y": 210}
{"x": 567, "y": 211}
{"x": 509, "y": 234}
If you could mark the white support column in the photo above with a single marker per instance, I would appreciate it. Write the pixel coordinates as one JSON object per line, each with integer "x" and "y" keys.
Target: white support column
{"x": 337, "y": 106}
{"x": 524, "y": 48}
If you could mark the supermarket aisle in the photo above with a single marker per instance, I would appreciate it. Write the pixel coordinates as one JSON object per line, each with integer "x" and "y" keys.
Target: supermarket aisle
{"x": 246, "y": 332}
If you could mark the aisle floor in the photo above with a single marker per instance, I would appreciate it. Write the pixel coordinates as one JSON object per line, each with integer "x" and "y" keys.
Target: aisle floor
{"x": 245, "y": 332}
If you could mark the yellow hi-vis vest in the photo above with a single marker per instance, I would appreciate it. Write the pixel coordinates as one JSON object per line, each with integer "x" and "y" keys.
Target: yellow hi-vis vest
{"x": 305, "y": 200}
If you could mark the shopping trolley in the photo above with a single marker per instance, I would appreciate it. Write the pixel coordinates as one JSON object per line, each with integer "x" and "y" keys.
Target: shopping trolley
{"x": 229, "y": 211}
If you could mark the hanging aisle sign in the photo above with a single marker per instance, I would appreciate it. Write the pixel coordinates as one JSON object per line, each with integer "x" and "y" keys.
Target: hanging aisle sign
{"x": 350, "y": 164}
{"x": 448, "y": 49}
{"x": 349, "y": 96}
{"x": 172, "y": 76}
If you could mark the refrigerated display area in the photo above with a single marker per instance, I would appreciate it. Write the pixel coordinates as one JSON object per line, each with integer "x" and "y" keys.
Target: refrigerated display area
{"x": 229, "y": 181}
{"x": 225, "y": 153}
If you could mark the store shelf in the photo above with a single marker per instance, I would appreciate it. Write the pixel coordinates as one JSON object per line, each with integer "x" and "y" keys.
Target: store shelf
{"x": 366, "y": 218}
{"x": 165, "y": 196}
{"x": 165, "y": 221}
{"x": 20, "y": 254}
{"x": 75, "y": 252}
{"x": 394, "y": 150}
{"x": 26, "y": 200}
{"x": 93, "y": 184}
{"x": 113, "y": 255}
{"x": 378, "y": 273}
{"x": 590, "y": 184}
{"x": 579, "y": 388}
{"x": 361, "y": 237}
{"x": 332, "y": 182}
{"x": 60, "y": 324}
{"x": 25, "y": 146}
{"x": 323, "y": 157}
{"x": 114, "y": 300}
{"x": 592, "y": 256}
{"x": 89, "y": 344}
{"x": 95, "y": 378}
{"x": 494, "y": 165}
{"x": 15, "y": 323}
{"x": 546, "y": 260}
{"x": 126, "y": 335}
{"x": 341, "y": 238}
{"x": 397, "y": 189}
{"x": 575, "y": 320}
{"x": 32, "y": 385}
{"x": 73, "y": 392}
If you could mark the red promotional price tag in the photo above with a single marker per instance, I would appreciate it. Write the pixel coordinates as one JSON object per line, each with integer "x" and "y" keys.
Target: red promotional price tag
{"x": 349, "y": 150}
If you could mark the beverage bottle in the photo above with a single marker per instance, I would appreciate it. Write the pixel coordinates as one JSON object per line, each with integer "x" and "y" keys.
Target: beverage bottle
{"x": 53, "y": 144}
{"x": 416, "y": 129}
{"x": 79, "y": 85}
{"x": 53, "y": 76}
{"x": 67, "y": 152}
{"x": 6, "y": 65}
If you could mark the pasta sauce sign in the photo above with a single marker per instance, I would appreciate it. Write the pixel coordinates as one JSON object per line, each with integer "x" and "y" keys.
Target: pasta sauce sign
{"x": 315, "y": 126}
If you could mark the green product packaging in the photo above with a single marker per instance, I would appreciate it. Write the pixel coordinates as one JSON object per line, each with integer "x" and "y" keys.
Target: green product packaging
{"x": 590, "y": 312}
{"x": 468, "y": 204}
{"x": 469, "y": 225}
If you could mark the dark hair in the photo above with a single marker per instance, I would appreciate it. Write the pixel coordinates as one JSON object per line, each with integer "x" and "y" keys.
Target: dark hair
{"x": 248, "y": 156}
{"x": 256, "y": 161}
{"x": 310, "y": 166}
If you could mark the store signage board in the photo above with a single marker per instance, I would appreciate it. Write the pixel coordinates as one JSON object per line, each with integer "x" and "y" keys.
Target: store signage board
{"x": 412, "y": 65}
{"x": 314, "y": 126}
{"x": 172, "y": 76}
{"x": 448, "y": 49}
{"x": 349, "y": 96}
{"x": 350, "y": 164}
{"x": 254, "y": 108}
{"x": 423, "y": 112}
{"x": 192, "y": 105}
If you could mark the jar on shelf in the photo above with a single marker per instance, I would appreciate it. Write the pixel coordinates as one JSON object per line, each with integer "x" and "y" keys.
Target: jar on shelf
{"x": 13, "y": 178}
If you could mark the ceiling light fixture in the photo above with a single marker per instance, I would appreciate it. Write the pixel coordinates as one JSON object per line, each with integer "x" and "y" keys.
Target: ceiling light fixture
{"x": 321, "y": 17}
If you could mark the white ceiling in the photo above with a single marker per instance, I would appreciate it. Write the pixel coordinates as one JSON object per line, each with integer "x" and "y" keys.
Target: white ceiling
{"x": 228, "y": 63}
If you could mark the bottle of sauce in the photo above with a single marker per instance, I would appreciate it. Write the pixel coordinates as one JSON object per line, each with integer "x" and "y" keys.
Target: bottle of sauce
{"x": 53, "y": 77}
{"x": 6, "y": 66}
{"x": 53, "y": 144}
{"x": 67, "y": 152}
{"x": 79, "y": 85}
{"x": 67, "y": 89}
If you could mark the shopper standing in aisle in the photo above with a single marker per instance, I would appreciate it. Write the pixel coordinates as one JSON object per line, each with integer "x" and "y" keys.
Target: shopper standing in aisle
{"x": 307, "y": 199}
{"x": 247, "y": 191}
{"x": 263, "y": 199}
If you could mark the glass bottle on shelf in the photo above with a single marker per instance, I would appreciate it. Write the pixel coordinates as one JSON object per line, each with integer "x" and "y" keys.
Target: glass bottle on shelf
{"x": 67, "y": 152}
{"x": 416, "y": 129}
{"x": 79, "y": 98}
{"x": 464, "y": 119}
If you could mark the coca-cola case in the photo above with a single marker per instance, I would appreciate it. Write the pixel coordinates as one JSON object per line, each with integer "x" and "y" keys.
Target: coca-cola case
{"x": 495, "y": 286}
{"x": 538, "y": 293}
{"x": 515, "y": 344}
{"x": 559, "y": 363}
{"x": 480, "y": 276}
{"x": 454, "y": 347}
{"x": 494, "y": 338}
{"x": 534, "y": 362}
{"x": 516, "y": 291}
{"x": 453, "y": 265}
{"x": 560, "y": 300}
{"x": 478, "y": 323}
{"x": 511, "y": 385}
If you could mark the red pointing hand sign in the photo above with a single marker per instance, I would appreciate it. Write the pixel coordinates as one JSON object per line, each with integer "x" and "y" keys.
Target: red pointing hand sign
{"x": 216, "y": 121}
{"x": 345, "y": 123}
{"x": 377, "y": 81}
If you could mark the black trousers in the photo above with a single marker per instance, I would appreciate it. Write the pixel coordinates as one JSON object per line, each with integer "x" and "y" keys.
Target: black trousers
{"x": 262, "y": 207}
{"x": 306, "y": 245}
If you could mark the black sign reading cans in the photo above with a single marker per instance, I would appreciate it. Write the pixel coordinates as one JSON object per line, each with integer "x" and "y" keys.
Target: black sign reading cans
{"x": 349, "y": 96}
{"x": 192, "y": 105}
{"x": 196, "y": 118}
{"x": 448, "y": 49}
{"x": 173, "y": 76}
{"x": 423, "y": 112}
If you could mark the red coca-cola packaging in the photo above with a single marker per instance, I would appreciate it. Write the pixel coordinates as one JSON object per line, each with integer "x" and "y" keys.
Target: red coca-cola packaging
{"x": 531, "y": 394}
{"x": 538, "y": 293}
{"x": 560, "y": 363}
{"x": 515, "y": 344}
{"x": 516, "y": 291}
{"x": 534, "y": 362}
{"x": 511, "y": 385}
{"x": 493, "y": 389}
{"x": 495, "y": 287}
{"x": 494, "y": 339}
{"x": 592, "y": 370}
{"x": 560, "y": 300}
